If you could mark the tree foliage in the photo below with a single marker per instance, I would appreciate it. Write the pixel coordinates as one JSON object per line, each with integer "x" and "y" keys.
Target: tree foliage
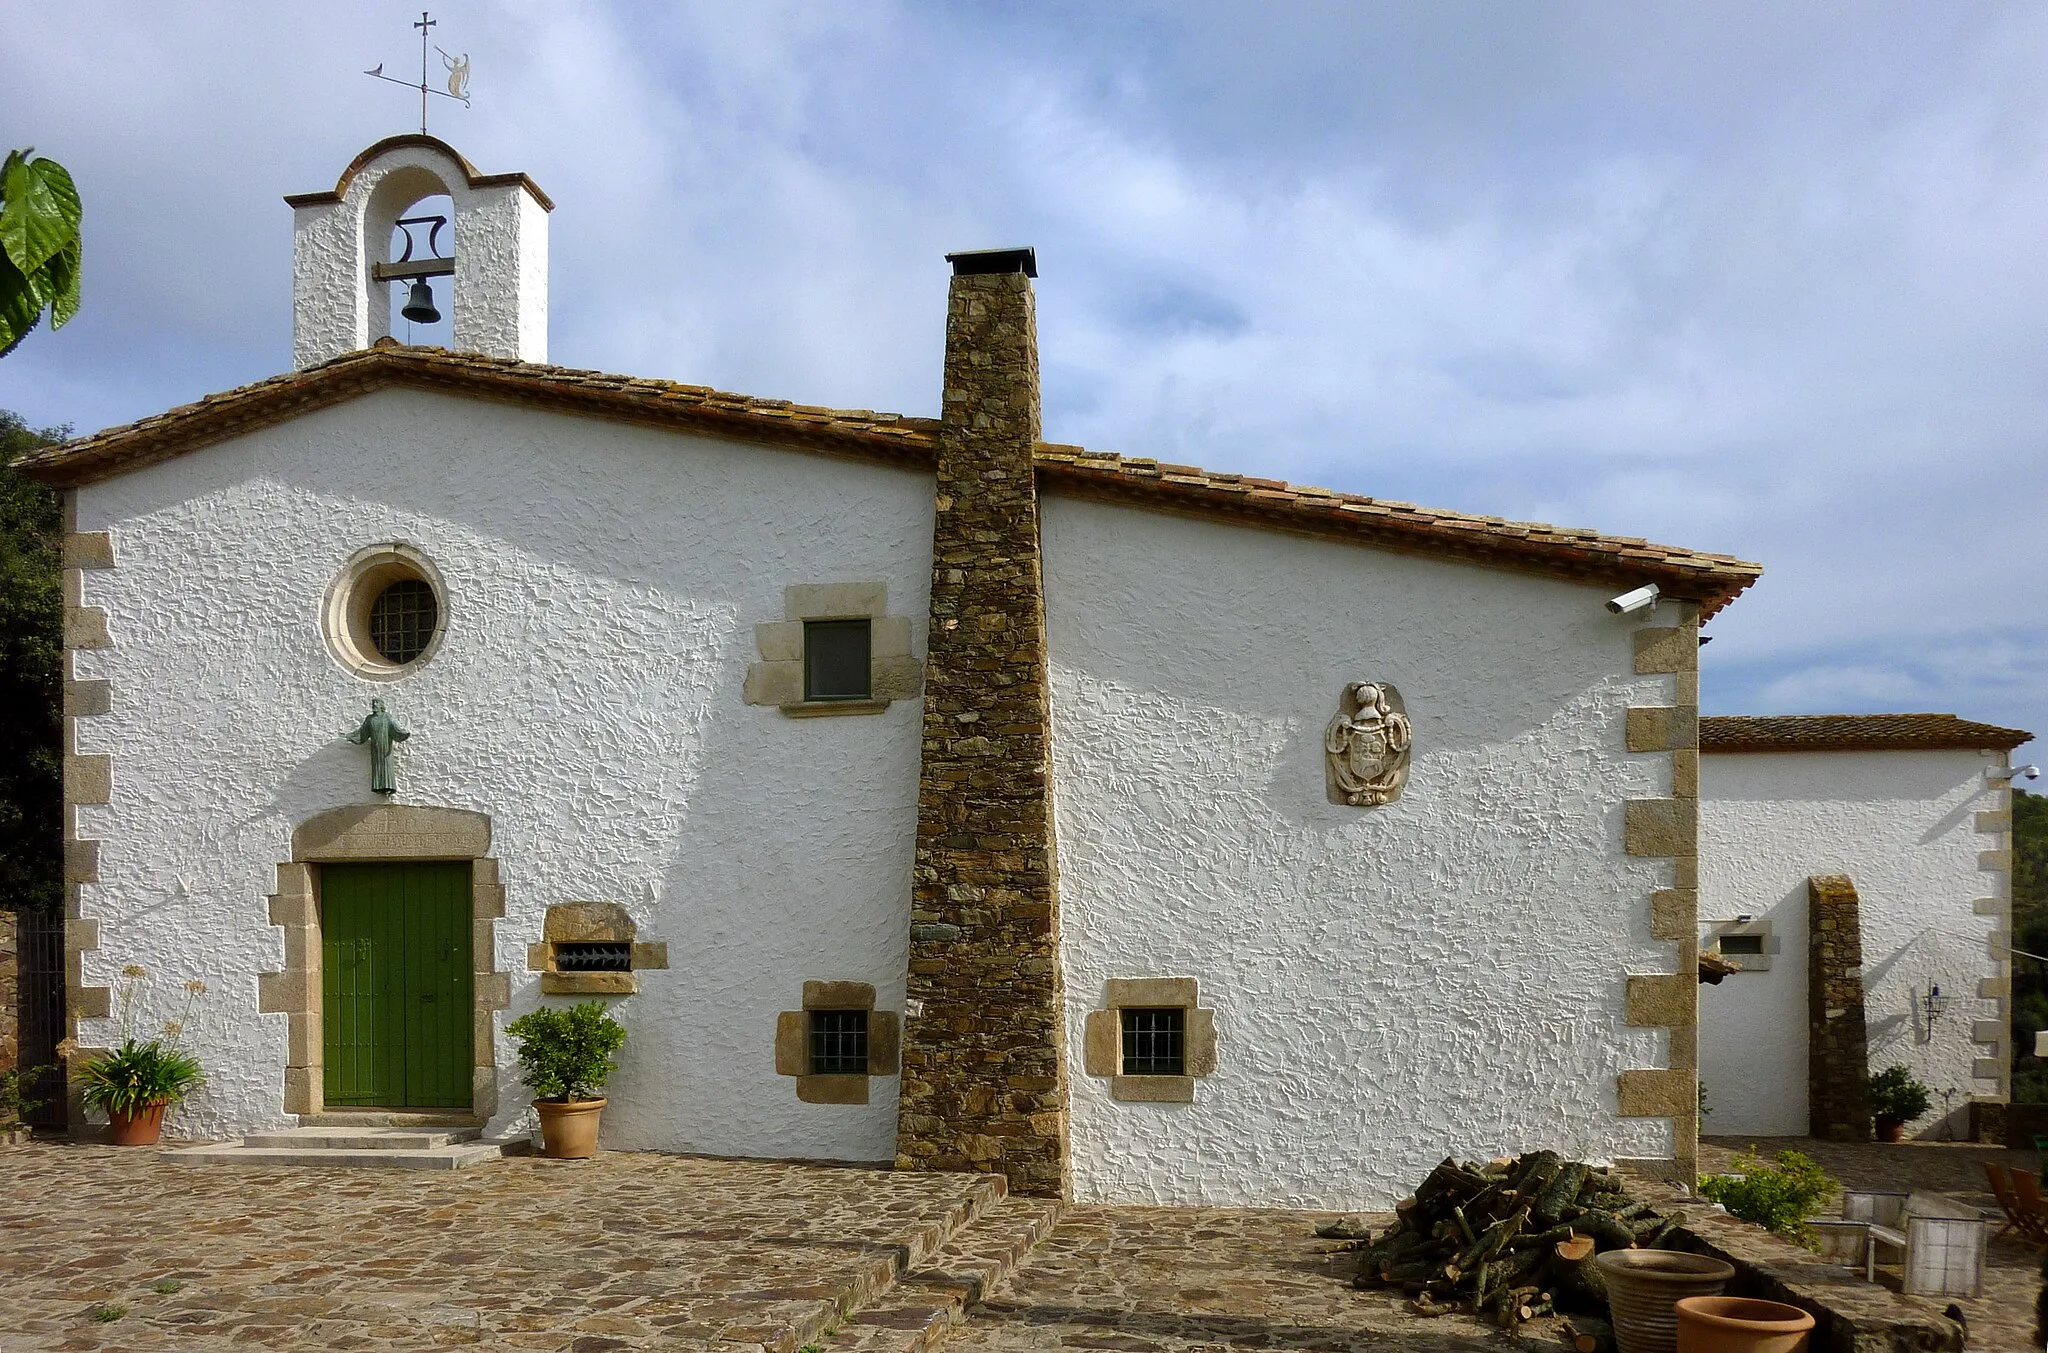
{"x": 31, "y": 660}
{"x": 40, "y": 246}
{"x": 2030, "y": 933}
{"x": 1779, "y": 1197}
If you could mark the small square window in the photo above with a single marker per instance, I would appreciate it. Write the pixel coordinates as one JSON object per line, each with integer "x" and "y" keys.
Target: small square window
{"x": 606, "y": 957}
{"x": 836, "y": 663}
{"x": 839, "y": 1042}
{"x": 1752, "y": 945}
{"x": 1155, "y": 1042}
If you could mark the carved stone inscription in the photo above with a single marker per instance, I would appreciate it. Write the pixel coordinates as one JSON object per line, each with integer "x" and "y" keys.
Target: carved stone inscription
{"x": 1365, "y": 748}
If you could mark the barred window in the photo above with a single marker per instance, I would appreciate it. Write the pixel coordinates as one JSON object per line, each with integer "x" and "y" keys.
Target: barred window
{"x": 1155, "y": 1042}
{"x": 402, "y": 619}
{"x": 839, "y": 1042}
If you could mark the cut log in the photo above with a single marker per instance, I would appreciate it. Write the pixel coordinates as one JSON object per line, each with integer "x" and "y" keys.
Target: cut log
{"x": 1560, "y": 1192}
{"x": 1590, "y": 1334}
{"x": 1602, "y": 1226}
{"x": 1575, "y": 1249}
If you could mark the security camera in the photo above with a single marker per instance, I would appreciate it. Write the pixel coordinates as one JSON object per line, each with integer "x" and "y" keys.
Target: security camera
{"x": 2027, "y": 773}
{"x": 2009, "y": 773}
{"x": 1628, "y": 603}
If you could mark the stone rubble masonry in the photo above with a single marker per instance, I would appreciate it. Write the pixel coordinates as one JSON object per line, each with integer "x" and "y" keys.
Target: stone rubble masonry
{"x": 10, "y": 992}
{"x": 1669, "y": 827}
{"x": 984, "y": 1068}
{"x": 1837, "y": 1042}
{"x": 88, "y": 778}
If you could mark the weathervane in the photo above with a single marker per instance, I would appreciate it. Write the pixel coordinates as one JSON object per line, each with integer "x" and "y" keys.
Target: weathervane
{"x": 458, "y": 73}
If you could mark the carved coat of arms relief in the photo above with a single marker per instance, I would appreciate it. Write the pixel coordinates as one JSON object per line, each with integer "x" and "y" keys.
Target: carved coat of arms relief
{"x": 1365, "y": 748}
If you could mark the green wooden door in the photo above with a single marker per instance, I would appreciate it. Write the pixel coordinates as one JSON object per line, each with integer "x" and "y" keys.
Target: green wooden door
{"x": 396, "y": 984}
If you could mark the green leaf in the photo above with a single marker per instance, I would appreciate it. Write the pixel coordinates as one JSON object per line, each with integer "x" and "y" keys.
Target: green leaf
{"x": 39, "y": 212}
{"x": 65, "y": 272}
{"x": 21, "y": 304}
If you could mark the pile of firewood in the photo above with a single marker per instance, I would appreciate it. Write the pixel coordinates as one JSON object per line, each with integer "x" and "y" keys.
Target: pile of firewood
{"x": 1510, "y": 1240}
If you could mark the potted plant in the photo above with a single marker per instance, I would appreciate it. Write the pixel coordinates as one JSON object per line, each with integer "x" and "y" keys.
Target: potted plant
{"x": 137, "y": 1082}
{"x": 1896, "y": 1099}
{"x": 565, "y": 1055}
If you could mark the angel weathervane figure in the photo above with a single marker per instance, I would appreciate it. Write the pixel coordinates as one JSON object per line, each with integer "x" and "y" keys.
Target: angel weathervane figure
{"x": 458, "y": 73}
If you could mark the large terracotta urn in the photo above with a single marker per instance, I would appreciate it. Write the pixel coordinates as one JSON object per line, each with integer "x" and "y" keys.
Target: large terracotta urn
{"x": 140, "y": 1128}
{"x": 1741, "y": 1325}
{"x": 1644, "y": 1288}
{"x": 568, "y": 1127}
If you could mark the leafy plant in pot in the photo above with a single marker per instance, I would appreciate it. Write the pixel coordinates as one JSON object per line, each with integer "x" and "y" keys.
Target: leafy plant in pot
{"x": 1896, "y": 1099}
{"x": 138, "y": 1082}
{"x": 565, "y": 1056}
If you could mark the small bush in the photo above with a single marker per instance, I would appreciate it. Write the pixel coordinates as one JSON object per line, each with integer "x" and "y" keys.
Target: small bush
{"x": 166, "y": 1286}
{"x": 107, "y": 1315}
{"x": 1895, "y": 1097}
{"x": 1777, "y": 1197}
{"x": 567, "y": 1054}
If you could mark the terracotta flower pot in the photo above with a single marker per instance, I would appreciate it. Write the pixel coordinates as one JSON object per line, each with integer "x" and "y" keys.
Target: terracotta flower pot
{"x": 141, "y": 1128}
{"x": 1644, "y": 1288}
{"x": 1890, "y": 1130}
{"x": 568, "y": 1127}
{"x": 1741, "y": 1325}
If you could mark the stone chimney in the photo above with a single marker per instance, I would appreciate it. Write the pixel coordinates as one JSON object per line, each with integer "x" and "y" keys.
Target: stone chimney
{"x": 984, "y": 1074}
{"x": 489, "y": 264}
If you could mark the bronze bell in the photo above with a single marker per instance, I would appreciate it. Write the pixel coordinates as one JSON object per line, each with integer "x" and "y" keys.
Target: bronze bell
{"x": 419, "y": 304}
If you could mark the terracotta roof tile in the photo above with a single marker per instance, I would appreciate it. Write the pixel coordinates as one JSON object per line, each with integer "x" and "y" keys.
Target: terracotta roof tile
{"x": 1853, "y": 733}
{"x": 1558, "y": 551}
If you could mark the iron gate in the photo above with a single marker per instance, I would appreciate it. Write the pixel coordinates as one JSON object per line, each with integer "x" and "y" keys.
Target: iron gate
{"x": 42, "y": 1009}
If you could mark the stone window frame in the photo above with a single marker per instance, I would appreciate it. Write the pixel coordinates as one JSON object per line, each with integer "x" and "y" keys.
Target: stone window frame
{"x": 1756, "y": 925}
{"x": 345, "y": 609}
{"x": 592, "y": 923}
{"x": 380, "y": 833}
{"x": 1102, "y": 1044}
{"x": 777, "y": 679}
{"x": 793, "y": 1042}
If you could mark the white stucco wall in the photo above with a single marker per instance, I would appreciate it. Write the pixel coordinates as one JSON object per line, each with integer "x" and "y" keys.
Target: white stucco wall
{"x": 1902, "y": 826}
{"x": 603, "y": 586}
{"x": 1443, "y": 975}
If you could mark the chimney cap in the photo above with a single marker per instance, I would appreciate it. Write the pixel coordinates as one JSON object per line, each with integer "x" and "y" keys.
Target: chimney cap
{"x": 977, "y": 262}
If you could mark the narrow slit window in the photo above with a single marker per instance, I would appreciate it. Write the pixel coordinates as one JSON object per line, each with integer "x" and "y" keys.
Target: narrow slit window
{"x": 839, "y": 1042}
{"x": 1751, "y": 945}
{"x": 593, "y": 957}
{"x": 1155, "y": 1042}
{"x": 836, "y": 654}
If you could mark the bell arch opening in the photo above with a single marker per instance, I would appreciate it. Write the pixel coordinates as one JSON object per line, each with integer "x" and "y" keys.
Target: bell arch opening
{"x": 409, "y": 230}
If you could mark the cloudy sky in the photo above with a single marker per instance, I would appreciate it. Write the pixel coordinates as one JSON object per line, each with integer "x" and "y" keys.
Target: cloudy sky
{"x": 1769, "y": 279}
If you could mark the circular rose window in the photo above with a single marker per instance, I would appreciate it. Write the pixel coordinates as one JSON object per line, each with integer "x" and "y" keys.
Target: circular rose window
{"x": 385, "y": 612}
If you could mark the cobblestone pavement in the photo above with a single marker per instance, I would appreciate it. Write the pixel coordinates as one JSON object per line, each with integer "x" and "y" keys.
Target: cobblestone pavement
{"x": 2002, "y": 1319}
{"x": 622, "y": 1252}
{"x": 1173, "y": 1280}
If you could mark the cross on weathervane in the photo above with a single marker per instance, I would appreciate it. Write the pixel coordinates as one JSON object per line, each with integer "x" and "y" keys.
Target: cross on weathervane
{"x": 458, "y": 73}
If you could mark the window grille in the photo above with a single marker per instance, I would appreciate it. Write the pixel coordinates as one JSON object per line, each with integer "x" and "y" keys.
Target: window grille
{"x": 594, "y": 957}
{"x": 1155, "y": 1042}
{"x": 836, "y": 654}
{"x": 402, "y": 619}
{"x": 839, "y": 1042}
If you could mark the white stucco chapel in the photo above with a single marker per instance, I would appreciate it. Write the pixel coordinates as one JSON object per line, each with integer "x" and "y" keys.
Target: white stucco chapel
{"x": 1140, "y": 832}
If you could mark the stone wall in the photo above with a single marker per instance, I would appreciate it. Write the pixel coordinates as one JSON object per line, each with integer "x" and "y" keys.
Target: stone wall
{"x": 984, "y": 1082}
{"x": 10, "y": 992}
{"x": 1838, "y": 1106}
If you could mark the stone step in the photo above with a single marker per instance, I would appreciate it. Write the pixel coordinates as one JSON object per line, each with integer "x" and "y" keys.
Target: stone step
{"x": 431, "y": 1120}
{"x": 870, "y": 1284}
{"x": 929, "y": 1300}
{"x": 454, "y": 1156}
{"x": 361, "y": 1138}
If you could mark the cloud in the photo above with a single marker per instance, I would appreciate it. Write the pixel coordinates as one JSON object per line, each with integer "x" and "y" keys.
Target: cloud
{"x": 1746, "y": 277}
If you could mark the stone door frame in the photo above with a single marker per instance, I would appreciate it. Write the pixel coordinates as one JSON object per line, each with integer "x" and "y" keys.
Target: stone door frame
{"x": 380, "y": 833}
